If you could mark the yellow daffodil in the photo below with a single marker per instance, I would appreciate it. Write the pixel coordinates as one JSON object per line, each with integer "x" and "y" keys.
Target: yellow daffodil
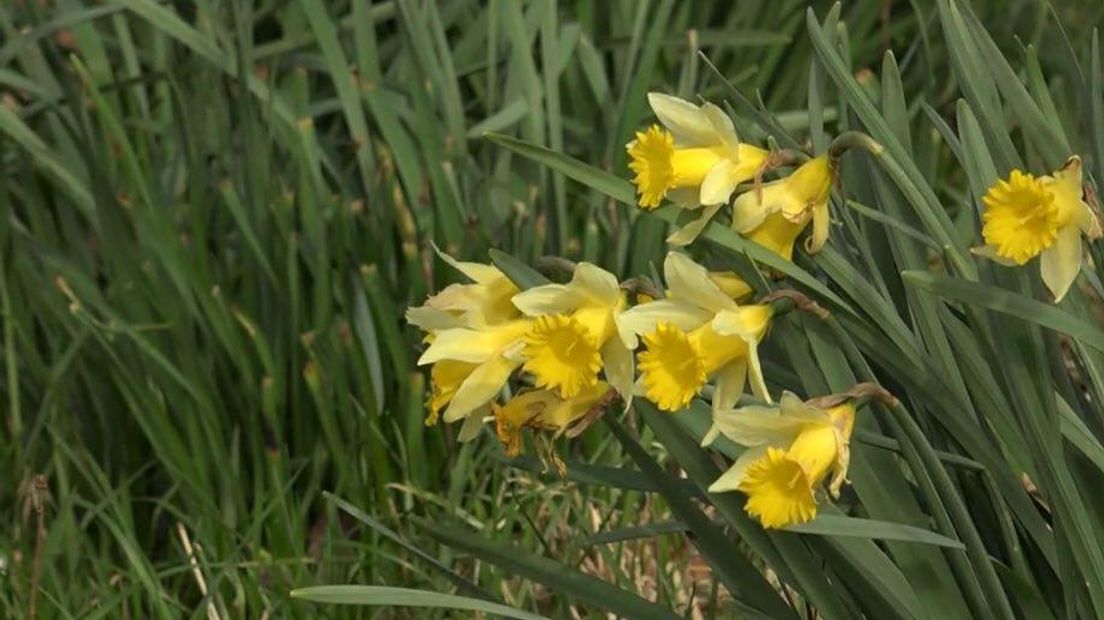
{"x": 475, "y": 336}
{"x": 696, "y": 333}
{"x": 792, "y": 448}
{"x": 486, "y": 301}
{"x": 544, "y": 409}
{"x": 577, "y": 333}
{"x": 1027, "y": 216}
{"x": 694, "y": 159}
{"x": 775, "y": 214}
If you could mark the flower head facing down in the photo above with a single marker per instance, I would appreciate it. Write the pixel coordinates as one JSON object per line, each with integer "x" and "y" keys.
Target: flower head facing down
{"x": 577, "y": 333}
{"x": 792, "y": 450}
{"x": 1027, "y": 216}
{"x": 775, "y": 214}
{"x": 545, "y": 410}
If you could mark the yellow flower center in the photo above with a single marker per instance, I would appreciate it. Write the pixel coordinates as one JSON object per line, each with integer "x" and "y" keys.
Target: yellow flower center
{"x": 1020, "y": 219}
{"x": 671, "y": 369}
{"x": 660, "y": 167}
{"x": 445, "y": 379}
{"x": 779, "y": 492}
{"x": 562, "y": 354}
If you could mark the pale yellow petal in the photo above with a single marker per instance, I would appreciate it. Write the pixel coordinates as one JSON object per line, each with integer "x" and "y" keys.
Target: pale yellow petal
{"x": 685, "y": 197}
{"x": 432, "y": 319}
{"x": 689, "y": 281}
{"x": 791, "y": 407}
{"x": 723, "y": 128}
{"x": 1089, "y": 222}
{"x": 460, "y": 344}
{"x": 688, "y": 233}
{"x": 473, "y": 423}
{"x": 757, "y": 426}
{"x": 617, "y": 363}
{"x": 478, "y": 272}
{"x": 596, "y": 285}
{"x": 686, "y": 121}
{"x": 1061, "y": 262}
{"x": 547, "y": 299}
{"x": 480, "y": 387}
{"x": 729, "y": 383}
{"x": 755, "y": 372}
{"x": 748, "y": 322}
{"x": 642, "y": 319}
{"x": 753, "y": 206}
{"x": 820, "y": 229}
{"x": 731, "y": 479}
{"x": 989, "y": 252}
{"x": 719, "y": 183}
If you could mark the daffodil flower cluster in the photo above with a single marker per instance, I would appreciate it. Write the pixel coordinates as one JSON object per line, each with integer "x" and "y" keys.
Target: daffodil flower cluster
{"x": 695, "y": 159}
{"x": 572, "y": 346}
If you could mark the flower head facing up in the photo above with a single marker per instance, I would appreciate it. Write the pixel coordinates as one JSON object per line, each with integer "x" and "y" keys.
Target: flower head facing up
{"x": 1027, "y": 216}
{"x": 544, "y": 410}
{"x": 774, "y": 214}
{"x": 792, "y": 450}
{"x": 577, "y": 333}
{"x": 1021, "y": 218}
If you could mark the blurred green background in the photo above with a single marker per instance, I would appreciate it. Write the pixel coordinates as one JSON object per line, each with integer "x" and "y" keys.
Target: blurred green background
{"x": 213, "y": 214}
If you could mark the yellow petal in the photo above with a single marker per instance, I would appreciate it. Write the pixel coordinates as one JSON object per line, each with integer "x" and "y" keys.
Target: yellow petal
{"x": 643, "y": 319}
{"x": 472, "y": 345}
{"x": 596, "y": 285}
{"x": 617, "y": 363}
{"x": 690, "y": 126}
{"x": 1061, "y": 262}
{"x": 689, "y": 281}
{"x": 473, "y": 423}
{"x": 719, "y": 183}
{"x": 481, "y": 386}
{"x": 547, "y": 299}
{"x": 478, "y": 272}
{"x": 688, "y": 233}
{"x": 734, "y": 475}
{"x": 748, "y": 322}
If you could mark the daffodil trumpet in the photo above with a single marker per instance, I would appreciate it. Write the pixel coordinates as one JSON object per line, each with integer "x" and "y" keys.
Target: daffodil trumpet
{"x": 1027, "y": 216}
{"x": 792, "y": 449}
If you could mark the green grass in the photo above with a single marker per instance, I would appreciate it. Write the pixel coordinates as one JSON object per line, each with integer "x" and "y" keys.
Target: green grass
{"x": 213, "y": 214}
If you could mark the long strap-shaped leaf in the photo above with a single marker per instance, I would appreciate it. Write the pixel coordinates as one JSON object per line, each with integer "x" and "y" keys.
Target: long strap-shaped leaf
{"x": 557, "y": 576}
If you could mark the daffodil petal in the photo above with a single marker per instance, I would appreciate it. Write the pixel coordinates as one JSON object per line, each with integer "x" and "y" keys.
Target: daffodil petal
{"x": 684, "y": 119}
{"x": 460, "y": 344}
{"x": 755, "y": 372}
{"x": 478, "y": 272}
{"x": 791, "y": 407}
{"x": 723, "y": 127}
{"x": 989, "y": 252}
{"x": 747, "y": 322}
{"x": 617, "y": 363}
{"x": 432, "y": 319}
{"x": 690, "y": 282}
{"x": 688, "y": 233}
{"x": 753, "y": 206}
{"x": 757, "y": 426}
{"x": 1061, "y": 262}
{"x": 547, "y": 299}
{"x": 642, "y": 319}
{"x": 719, "y": 183}
{"x": 820, "y": 229}
{"x": 686, "y": 197}
{"x": 480, "y": 387}
{"x": 731, "y": 479}
{"x": 729, "y": 381}
{"x": 1088, "y": 222}
{"x": 473, "y": 423}
{"x": 597, "y": 285}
